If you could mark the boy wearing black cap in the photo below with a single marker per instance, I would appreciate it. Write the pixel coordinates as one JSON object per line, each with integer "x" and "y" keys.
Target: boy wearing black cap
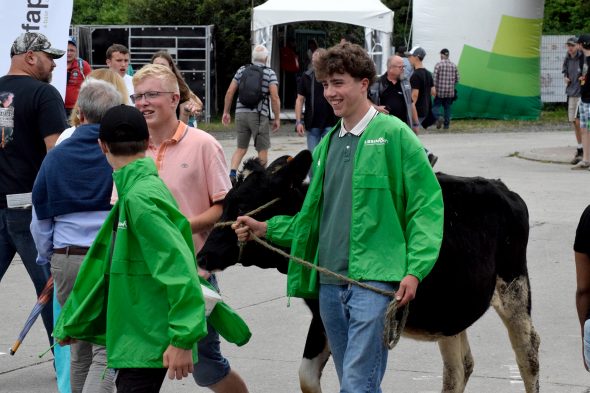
{"x": 78, "y": 69}
{"x": 584, "y": 41}
{"x": 138, "y": 290}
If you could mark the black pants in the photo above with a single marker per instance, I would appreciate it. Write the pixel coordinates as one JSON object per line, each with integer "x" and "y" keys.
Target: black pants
{"x": 140, "y": 380}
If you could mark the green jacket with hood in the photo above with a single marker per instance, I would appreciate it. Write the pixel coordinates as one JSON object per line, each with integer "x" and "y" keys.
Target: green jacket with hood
{"x": 397, "y": 211}
{"x": 149, "y": 297}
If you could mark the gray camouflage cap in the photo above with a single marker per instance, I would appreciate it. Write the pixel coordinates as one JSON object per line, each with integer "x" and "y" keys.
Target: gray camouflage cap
{"x": 34, "y": 42}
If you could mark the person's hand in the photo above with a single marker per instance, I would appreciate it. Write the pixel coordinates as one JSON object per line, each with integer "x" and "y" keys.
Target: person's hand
{"x": 567, "y": 80}
{"x": 191, "y": 107}
{"x": 276, "y": 124}
{"x": 245, "y": 224}
{"x": 407, "y": 290}
{"x": 381, "y": 108}
{"x": 300, "y": 128}
{"x": 415, "y": 129}
{"x": 178, "y": 361}
{"x": 203, "y": 273}
{"x": 226, "y": 119}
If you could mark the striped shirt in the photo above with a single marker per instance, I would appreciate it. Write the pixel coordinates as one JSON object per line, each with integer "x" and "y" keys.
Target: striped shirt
{"x": 270, "y": 78}
{"x": 445, "y": 76}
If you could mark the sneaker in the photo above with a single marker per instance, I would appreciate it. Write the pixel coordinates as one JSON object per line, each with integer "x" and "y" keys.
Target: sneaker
{"x": 581, "y": 165}
{"x": 577, "y": 157}
{"x": 439, "y": 123}
{"x": 432, "y": 159}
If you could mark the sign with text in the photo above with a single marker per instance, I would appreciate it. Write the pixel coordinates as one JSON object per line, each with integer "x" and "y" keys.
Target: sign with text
{"x": 49, "y": 17}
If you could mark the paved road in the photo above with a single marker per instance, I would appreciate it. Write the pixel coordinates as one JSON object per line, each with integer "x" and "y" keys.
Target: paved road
{"x": 555, "y": 196}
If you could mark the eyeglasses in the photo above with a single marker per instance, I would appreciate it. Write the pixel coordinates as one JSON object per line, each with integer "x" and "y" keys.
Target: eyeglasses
{"x": 148, "y": 95}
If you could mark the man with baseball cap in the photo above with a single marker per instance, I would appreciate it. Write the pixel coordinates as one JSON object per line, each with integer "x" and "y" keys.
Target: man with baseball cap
{"x": 78, "y": 69}
{"x": 422, "y": 88}
{"x": 572, "y": 69}
{"x": 446, "y": 77}
{"x": 584, "y": 108}
{"x": 29, "y": 126}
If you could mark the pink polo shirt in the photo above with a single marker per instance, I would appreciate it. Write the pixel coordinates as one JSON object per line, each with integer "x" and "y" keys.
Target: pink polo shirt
{"x": 192, "y": 165}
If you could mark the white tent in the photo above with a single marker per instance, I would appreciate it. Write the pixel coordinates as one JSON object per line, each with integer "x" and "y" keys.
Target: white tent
{"x": 371, "y": 14}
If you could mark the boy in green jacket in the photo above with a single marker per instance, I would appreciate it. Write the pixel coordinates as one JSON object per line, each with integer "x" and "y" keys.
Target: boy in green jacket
{"x": 138, "y": 290}
{"x": 373, "y": 212}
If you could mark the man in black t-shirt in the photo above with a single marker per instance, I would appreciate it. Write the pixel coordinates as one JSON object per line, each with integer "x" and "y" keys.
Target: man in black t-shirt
{"x": 582, "y": 259}
{"x": 30, "y": 123}
{"x": 319, "y": 117}
{"x": 422, "y": 85}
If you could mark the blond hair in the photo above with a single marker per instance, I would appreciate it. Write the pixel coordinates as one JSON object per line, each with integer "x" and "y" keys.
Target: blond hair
{"x": 160, "y": 72}
{"x": 107, "y": 75}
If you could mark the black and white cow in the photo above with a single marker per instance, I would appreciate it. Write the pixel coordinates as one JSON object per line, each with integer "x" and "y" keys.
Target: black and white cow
{"x": 482, "y": 261}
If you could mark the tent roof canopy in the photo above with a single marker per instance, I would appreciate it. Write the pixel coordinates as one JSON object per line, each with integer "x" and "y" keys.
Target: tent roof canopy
{"x": 367, "y": 13}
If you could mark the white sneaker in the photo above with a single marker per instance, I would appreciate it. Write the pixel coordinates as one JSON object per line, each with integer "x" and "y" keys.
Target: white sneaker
{"x": 581, "y": 165}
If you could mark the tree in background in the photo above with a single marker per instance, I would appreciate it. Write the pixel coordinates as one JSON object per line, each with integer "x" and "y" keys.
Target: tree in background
{"x": 100, "y": 12}
{"x": 566, "y": 17}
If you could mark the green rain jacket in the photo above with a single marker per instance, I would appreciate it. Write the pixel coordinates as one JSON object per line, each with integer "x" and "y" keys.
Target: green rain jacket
{"x": 149, "y": 297}
{"x": 397, "y": 211}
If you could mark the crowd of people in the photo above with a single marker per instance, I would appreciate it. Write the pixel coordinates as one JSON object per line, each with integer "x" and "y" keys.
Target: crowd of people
{"x": 118, "y": 223}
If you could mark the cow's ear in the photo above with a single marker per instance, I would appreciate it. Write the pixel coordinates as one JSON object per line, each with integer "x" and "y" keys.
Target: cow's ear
{"x": 294, "y": 172}
{"x": 299, "y": 166}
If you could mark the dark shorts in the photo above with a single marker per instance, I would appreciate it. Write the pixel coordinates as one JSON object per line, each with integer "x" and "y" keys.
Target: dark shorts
{"x": 255, "y": 125}
{"x": 211, "y": 366}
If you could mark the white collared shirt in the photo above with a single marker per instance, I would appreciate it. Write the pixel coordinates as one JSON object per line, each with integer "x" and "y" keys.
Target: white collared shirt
{"x": 361, "y": 125}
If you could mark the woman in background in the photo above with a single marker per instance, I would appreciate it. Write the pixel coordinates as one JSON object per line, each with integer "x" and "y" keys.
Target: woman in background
{"x": 104, "y": 74}
{"x": 190, "y": 105}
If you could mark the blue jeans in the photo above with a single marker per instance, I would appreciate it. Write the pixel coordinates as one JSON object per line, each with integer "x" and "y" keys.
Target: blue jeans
{"x": 211, "y": 366}
{"x": 446, "y": 104}
{"x": 587, "y": 343}
{"x": 354, "y": 319}
{"x": 15, "y": 237}
{"x": 314, "y": 135}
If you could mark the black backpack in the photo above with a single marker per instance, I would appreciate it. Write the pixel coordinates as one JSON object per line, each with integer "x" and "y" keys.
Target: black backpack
{"x": 250, "y": 86}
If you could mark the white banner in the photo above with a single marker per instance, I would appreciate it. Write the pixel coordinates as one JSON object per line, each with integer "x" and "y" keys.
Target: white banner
{"x": 49, "y": 17}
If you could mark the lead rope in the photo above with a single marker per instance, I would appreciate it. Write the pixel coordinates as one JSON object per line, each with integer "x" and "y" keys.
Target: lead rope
{"x": 393, "y": 326}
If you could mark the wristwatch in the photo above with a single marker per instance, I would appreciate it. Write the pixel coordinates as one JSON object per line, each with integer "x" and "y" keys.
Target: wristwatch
{"x": 299, "y": 122}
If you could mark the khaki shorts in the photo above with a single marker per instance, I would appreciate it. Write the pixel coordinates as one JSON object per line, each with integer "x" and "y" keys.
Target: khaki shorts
{"x": 572, "y": 108}
{"x": 255, "y": 125}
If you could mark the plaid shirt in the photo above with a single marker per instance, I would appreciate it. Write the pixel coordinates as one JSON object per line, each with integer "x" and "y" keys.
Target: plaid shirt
{"x": 445, "y": 76}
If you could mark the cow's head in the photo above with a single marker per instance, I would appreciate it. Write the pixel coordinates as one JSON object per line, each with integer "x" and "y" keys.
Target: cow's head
{"x": 256, "y": 186}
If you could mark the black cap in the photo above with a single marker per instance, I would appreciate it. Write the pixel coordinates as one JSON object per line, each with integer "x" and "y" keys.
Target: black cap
{"x": 584, "y": 39}
{"x": 572, "y": 41}
{"x": 444, "y": 51}
{"x": 123, "y": 123}
{"x": 417, "y": 51}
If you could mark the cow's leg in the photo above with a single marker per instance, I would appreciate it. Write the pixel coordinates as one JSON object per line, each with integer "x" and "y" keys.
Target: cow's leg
{"x": 315, "y": 354}
{"x": 457, "y": 362}
{"x": 511, "y": 301}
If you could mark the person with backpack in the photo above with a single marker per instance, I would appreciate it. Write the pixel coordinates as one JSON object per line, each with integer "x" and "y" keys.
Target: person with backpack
{"x": 77, "y": 70}
{"x": 257, "y": 88}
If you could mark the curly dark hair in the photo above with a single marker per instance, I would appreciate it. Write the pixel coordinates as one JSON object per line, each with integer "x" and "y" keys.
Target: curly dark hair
{"x": 346, "y": 58}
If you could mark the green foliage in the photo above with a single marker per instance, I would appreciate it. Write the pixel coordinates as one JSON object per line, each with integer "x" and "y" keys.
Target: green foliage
{"x": 402, "y": 20}
{"x": 163, "y": 12}
{"x": 566, "y": 17}
{"x": 231, "y": 19}
{"x": 100, "y": 12}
